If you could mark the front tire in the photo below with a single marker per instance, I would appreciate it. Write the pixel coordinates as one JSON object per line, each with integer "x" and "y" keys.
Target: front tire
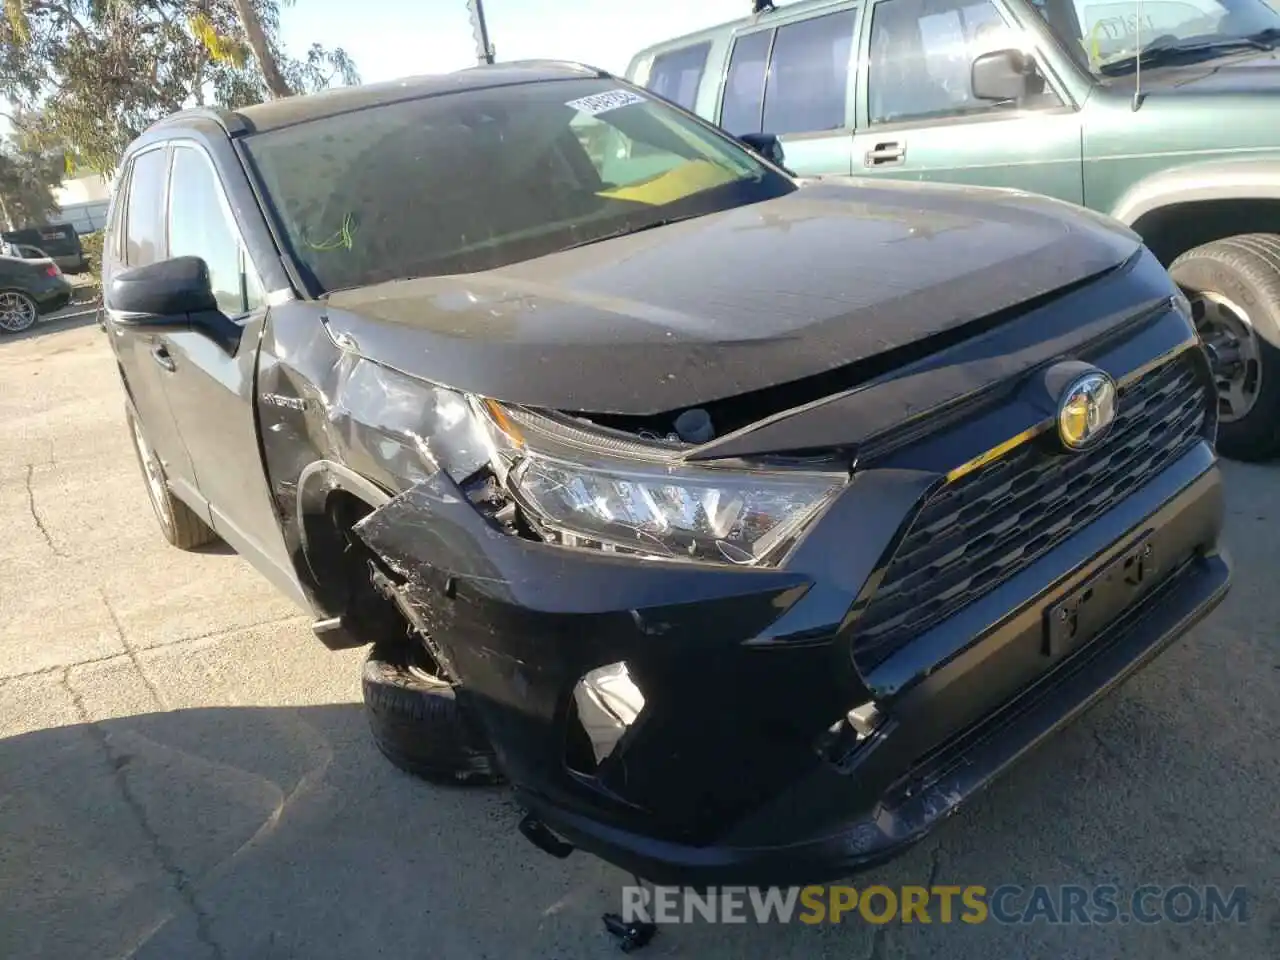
{"x": 18, "y": 312}
{"x": 1234, "y": 288}
{"x": 417, "y": 722}
{"x": 178, "y": 522}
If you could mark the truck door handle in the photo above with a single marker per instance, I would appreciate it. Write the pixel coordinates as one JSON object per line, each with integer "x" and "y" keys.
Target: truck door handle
{"x": 882, "y": 154}
{"x": 160, "y": 354}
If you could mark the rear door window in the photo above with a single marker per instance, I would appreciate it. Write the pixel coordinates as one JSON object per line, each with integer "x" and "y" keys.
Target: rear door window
{"x": 809, "y": 75}
{"x": 744, "y": 85}
{"x": 144, "y": 223}
{"x": 677, "y": 74}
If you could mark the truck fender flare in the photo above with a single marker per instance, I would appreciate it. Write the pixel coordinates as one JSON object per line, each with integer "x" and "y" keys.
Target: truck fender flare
{"x": 1252, "y": 179}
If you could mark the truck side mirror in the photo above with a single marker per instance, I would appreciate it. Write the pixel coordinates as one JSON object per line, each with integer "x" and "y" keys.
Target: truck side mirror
{"x": 767, "y": 145}
{"x": 1005, "y": 75}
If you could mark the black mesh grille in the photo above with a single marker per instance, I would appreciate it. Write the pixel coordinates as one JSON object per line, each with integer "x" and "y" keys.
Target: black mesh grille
{"x": 977, "y": 532}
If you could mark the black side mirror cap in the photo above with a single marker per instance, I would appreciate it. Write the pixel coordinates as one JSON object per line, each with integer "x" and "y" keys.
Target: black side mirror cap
{"x": 169, "y": 288}
{"x": 174, "y": 294}
{"x": 1005, "y": 75}
{"x": 767, "y": 145}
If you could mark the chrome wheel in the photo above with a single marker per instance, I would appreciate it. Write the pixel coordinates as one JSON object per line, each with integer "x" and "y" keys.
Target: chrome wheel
{"x": 1233, "y": 352}
{"x": 17, "y": 312}
{"x": 153, "y": 473}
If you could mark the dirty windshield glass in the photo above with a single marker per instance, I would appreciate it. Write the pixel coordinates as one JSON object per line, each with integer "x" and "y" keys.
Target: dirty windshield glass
{"x": 1111, "y": 38}
{"x": 476, "y": 180}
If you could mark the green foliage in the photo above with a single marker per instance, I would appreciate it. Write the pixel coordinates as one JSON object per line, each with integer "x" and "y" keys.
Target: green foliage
{"x": 101, "y": 71}
{"x": 92, "y": 243}
{"x": 29, "y": 173}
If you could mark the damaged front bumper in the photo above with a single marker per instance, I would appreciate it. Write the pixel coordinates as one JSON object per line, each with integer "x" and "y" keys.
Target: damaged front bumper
{"x": 737, "y": 766}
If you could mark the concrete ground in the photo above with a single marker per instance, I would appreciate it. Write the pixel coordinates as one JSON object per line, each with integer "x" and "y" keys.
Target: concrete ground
{"x": 185, "y": 772}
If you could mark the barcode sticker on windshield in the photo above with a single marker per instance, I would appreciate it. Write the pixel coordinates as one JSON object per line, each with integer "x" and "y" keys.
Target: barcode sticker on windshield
{"x": 609, "y": 100}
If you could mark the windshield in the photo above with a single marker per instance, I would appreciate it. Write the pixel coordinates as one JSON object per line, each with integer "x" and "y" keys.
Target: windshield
{"x": 1109, "y": 37}
{"x": 471, "y": 181}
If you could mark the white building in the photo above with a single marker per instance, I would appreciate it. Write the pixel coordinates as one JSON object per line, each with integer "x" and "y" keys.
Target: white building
{"x": 83, "y": 202}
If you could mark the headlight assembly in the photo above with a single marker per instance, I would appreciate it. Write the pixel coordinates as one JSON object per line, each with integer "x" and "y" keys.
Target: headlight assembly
{"x": 586, "y": 488}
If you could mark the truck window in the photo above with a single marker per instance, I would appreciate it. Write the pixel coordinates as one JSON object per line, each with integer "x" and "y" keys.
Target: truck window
{"x": 809, "y": 75}
{"x": 922, "y": 52}
{"x": 677, "y": 74}
{"x": 744, "y": 86}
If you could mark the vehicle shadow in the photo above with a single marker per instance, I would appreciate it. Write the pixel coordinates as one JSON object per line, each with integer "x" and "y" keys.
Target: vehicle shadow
{"x": 216, "y": 548}
{"x": 279, "y": 832}
{"x": 244, "y": 832}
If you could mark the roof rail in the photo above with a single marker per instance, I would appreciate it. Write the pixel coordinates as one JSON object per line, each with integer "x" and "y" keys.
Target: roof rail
{"x": 229, "y": 120}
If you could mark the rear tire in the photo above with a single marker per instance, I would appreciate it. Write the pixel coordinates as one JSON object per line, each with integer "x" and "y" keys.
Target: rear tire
{"x": 181, "y": 526}
{"x": 1234, "y": 286}
{"x": 417, "y": 722}
{"x": 18, "y": 312}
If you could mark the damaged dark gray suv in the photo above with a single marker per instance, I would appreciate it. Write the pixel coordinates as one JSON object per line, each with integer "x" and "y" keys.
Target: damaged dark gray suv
{"x": 746, "y": 526}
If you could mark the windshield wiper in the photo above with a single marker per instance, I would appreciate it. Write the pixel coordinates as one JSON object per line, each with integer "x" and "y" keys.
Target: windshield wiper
{"x": 627, "y": 231}
{"x": 1167, "y": 53}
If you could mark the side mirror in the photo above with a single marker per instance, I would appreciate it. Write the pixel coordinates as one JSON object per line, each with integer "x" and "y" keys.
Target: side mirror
{"x": 173, "y": 294}
{"x": 767, "y": 145}
{"x": 1005, "y": 75}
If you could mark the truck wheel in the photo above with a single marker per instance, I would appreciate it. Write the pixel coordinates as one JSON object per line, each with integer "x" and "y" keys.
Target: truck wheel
{"x": 181, "y": 526}
{"x": 1234, "y": 288}
{"x": 417, "y": 722}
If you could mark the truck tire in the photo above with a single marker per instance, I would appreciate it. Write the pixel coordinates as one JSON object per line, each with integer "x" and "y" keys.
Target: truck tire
{"x": 1234, "y": 287}
{"x": 418, "y": 723}
{"x": 181, "y": 526}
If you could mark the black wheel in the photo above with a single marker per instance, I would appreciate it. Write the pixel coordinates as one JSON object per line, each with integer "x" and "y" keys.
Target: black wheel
{"x": 18, "y": 312}
{"x": 1234, "y": 288}
{"x": 178, "y": 522}
{"x": 417, "y": 722}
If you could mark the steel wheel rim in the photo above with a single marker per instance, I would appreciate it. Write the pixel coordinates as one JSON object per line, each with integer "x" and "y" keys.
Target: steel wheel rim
{"x": 17, "y": 312}
{"x": 1234, "y": 353}
{"x": 152, "y": 474}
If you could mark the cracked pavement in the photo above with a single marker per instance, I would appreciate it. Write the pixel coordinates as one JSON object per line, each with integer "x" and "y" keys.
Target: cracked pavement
{"x": 185, "y": 772}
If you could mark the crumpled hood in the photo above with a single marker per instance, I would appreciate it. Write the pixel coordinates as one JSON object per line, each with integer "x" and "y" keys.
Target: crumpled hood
{"x": 836, "y": 272}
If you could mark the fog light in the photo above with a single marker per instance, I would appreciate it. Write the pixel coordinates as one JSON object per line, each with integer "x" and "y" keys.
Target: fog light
{"x": 608, "y": 702}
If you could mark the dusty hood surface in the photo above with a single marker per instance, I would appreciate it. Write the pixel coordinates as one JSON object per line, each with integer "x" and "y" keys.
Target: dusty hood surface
{"x": 837, "y": 272}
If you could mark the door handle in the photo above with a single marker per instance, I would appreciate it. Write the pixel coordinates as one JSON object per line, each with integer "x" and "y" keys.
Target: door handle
{"x": 882, "y": 154}
{"x": 160, "y": 354}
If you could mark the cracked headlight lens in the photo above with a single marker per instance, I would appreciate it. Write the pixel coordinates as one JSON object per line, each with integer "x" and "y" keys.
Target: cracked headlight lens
{"x": 615, "y": 494}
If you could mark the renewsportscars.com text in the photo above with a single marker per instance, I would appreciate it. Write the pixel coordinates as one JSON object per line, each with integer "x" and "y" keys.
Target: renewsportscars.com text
{"x": 972, "y": 904}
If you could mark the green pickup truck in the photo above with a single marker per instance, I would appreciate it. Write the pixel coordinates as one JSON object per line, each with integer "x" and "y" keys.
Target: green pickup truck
{"x": 1164, "y": 114}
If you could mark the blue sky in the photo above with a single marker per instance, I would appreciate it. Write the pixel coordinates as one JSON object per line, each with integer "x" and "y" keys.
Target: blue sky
{"x": 396, "y": 38}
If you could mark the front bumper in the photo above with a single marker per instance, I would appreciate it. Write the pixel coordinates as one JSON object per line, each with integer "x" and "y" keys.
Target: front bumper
{"x": 722, "y": 780}
{"x": 919, "y": 793}
{"x": 730, "y": 773}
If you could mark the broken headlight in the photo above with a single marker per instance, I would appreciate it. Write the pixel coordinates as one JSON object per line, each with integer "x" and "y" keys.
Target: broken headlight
{"x": 587, "y": 487}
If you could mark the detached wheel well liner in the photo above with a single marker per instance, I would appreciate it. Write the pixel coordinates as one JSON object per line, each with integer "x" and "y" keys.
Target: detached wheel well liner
{"x": 332, "y": 498}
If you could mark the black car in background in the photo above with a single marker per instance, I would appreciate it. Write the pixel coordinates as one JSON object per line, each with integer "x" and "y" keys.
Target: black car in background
{"x": 59, "y": 241}
{"x": 747, "y": 526}
{"x": 29, "y": 288}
